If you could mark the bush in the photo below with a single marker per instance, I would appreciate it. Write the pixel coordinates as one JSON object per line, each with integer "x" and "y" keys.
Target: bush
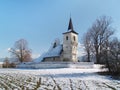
{"x": 12, "y": 65}
{"x": 66, "y": 59}
{"x": 9, "y": 65}
{"x": 114, "y": 67}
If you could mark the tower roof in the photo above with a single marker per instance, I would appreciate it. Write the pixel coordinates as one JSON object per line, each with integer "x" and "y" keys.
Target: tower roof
{"x": 70, "y": 27}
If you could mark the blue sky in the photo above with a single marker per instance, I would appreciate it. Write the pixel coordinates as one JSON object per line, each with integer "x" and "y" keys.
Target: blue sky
{"x": 41, "y": 21}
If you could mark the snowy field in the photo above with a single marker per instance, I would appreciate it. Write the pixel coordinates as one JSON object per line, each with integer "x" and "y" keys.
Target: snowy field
{"x": 56, "y": 79}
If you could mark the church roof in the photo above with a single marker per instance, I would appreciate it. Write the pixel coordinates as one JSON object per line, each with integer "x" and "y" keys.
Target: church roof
{"x": 70, "y": 28}
{"x": 54, "y": 52}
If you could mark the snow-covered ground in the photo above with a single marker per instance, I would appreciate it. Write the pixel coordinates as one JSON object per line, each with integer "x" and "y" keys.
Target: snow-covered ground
{"x": 56, "y": 79}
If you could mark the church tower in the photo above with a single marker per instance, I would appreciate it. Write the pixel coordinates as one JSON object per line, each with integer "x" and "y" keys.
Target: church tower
{"x": 70, "y": 44}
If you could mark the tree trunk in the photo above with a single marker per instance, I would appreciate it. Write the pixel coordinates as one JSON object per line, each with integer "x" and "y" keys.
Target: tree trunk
{"x": 97, "y": 55}
{"x": 88, "y": 57}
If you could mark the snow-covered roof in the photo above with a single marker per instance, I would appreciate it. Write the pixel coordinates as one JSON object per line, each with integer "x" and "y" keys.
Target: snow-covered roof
{"x": 52, "y": 52}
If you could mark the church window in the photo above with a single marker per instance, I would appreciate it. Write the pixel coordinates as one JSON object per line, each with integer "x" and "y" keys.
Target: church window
{"x": 66, "y": 37}
{"x": 54, "y": 45}
{"x": 54, "y": 58}
{"x": 74, "y": 38}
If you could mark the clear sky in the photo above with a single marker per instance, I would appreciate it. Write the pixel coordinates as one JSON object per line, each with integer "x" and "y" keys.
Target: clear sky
{"x": 41, "y": 21}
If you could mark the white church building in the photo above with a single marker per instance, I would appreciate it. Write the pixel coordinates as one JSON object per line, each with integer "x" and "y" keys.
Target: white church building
{"x": 63, "y": 55}
{"x": 66, "y": 51}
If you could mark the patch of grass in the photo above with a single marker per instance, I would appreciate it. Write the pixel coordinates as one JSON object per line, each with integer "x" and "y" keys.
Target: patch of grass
{"x": 104, "y": 73}
{"x": 110, "y": 86}
{"x": 38, "y": 83}
{"x": 117, "y": 77}
{"x": 71, "y": 84}
{"x": 56, "y": 85}
{"x": 114, "y": 76}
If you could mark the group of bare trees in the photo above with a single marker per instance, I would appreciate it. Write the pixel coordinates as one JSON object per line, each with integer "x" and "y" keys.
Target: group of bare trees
{"x": 98, "y": 42}
{"x": 8, "y": 64}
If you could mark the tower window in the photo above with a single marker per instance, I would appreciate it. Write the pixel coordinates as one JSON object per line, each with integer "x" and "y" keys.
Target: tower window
{"x": 74, "y": 38}
{"x": 66, "y": 37}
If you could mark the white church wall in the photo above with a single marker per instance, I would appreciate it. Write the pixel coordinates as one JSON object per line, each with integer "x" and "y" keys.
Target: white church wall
{"x": 70, "y": 46}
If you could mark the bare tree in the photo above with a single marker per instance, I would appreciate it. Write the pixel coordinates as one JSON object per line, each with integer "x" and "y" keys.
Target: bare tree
{"x": 114, "y": 56}
{"x": 20, "y": 51}
{"x": 87, "y": 44}
{"x": 99, "y": 34}
{"x": 6, "y": 63}
{"x": 115, "y": 48}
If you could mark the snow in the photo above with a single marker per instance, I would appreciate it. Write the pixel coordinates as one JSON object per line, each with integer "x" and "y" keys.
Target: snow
{"x": 56, "y": 79}
{"x": 51, "y": 52}
{"x": 46, "y": 65}
{"x": 54, "y": 51}
{"x": 1, "y": 62}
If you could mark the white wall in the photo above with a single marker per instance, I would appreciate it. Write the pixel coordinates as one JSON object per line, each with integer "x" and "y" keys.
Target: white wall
{"x": 70, "y": 46}
{"x": 58, "y": 65}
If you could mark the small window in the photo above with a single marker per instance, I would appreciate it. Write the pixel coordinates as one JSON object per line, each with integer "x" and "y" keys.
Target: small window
{"x": 54, "y": 45}
{"x": 66, "y": 37}
{"x": 74, "y": 38}
{"x": 53, "y": 58}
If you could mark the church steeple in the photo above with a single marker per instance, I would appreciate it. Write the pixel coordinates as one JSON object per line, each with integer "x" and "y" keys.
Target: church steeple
{"x": 70, "y": 43}
{"x": 70, "y": 27}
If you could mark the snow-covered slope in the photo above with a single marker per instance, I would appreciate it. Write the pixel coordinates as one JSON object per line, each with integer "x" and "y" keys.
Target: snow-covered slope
{"x": 56, "y": 79}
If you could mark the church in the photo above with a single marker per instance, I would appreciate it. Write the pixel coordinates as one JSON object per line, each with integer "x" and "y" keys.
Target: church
{"x": 60, "y": 55}
{"x": 67, "y": 51}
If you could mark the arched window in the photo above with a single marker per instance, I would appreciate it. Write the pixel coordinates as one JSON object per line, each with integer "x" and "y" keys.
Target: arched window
{"x": 74, "y": 38}
{"x": 66, "y": 37}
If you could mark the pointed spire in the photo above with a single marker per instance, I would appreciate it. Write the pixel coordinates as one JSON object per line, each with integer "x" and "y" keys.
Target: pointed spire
{"x": 70, "y": 27}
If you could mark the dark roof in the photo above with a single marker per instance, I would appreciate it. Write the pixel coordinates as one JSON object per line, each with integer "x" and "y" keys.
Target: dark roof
{"x": 51, "y": 57}
{"x": 70, "y": 28}
{"x": 70, "y": 32}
